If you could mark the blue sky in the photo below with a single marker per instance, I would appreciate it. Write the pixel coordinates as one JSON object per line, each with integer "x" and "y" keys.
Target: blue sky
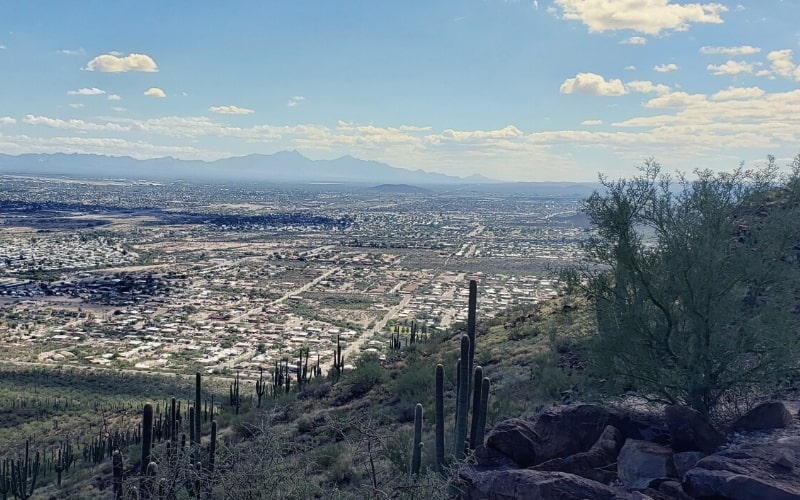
{"x": 514, "y": 90}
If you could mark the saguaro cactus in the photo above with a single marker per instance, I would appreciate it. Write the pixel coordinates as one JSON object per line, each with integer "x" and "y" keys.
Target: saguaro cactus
{"x": 416, "y": 451}
{"x": 5, "y": 480}
{"x": 482, "y": 413}
{"x": 439, "y": 401}
{"x": 476, "y": 404}
{"x": 116, "y": 463}
{"x": 21, "y": 471}
{"x": 147, "y": 436}
{"x": 261, "y": 386}
{"x": 460, "y": 434}
{"x": 472, "y": 324}
{"x": 197, "y": 415}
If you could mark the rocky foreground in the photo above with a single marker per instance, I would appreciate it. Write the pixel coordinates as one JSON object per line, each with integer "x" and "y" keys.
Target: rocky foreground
{"x": 594, "y": 452}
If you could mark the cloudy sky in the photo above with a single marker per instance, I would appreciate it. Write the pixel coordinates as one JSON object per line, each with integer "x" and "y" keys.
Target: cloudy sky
{"x": 514, "y": 90}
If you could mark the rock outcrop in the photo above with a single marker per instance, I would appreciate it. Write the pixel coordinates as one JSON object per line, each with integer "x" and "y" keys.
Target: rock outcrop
{"x": 580, "y": 451}
{"x": 762, "y": 471}
{"x": 769, "y": 415}
{"x": 597, "y": 464}
{"x": 690, "y": 431}
{"x": 527, "y": 484}
{"x": 641, "y": 462}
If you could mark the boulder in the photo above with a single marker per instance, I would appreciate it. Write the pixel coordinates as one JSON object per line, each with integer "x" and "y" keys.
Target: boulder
{"x": 756, "y": 471}
{"x": 597, "y": 464}
{"x": 769, "y": 415}
{"x": 516, "y": 439}
{"x": 647, "y": 426}
{"x": 489, "y": 458}
{"x": 690, "y": 431}
{"x": 673, "y": 490}
{"x": 528, "y": 484}
{"x": 685, "y": 460}
{"x": 567, "y": 430}
{"x": 641, "y": 462}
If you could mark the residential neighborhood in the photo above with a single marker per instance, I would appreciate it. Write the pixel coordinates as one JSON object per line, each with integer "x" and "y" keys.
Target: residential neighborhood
{"x": 226, "y": 283}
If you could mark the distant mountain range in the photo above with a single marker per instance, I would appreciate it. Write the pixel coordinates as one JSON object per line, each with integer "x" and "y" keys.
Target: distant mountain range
{"x": 285, "y": 166}
{"x": 282, "y": 167}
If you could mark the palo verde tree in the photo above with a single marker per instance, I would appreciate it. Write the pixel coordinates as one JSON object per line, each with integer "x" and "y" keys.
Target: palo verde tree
{"x": 696, "y": 283}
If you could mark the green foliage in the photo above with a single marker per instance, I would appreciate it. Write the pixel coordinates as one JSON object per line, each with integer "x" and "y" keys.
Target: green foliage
{"x": 368, "y": 373}
{"x": 413, "y": 382}
{"x": 695, "y": 300}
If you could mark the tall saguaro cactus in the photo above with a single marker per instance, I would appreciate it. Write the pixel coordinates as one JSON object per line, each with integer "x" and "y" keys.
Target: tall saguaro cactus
{"x": 21, "y": 471}
{"x": 116, "y": 463}
{"x": 147, "y": 436}
{"x": 476, "y": 404}
{"x": 197, "y": 416}
{"x": 472, "y": 322}
{"x": 480, "y": 430}
{"x": 472, "y": 390}
{"x": 416, "y": 450}
{"x": 462, "y": 410}
{"x": 439, "y": 434}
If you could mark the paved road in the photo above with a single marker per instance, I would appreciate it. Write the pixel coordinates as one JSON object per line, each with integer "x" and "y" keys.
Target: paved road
{"x": 248, "y": 354}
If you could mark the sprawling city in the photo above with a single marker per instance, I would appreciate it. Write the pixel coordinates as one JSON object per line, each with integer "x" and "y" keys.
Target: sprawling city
{"x": 180, "y": 277}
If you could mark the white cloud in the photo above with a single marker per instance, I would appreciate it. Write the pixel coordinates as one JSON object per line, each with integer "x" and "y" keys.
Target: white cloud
{"x": 155, "y": 92}
{"x": 675, "y": 100}
{"x": 113, "y": 63}
{"x": 743, "y": 50}
{"x": 72, "y": 124}
{"x": 413, "y": 128}
{"x": 101, "y": 145}
{"x": 508, "y": 132}
{"x": 76, "y": 105}
{"x": 647, "y": 87}
{"x": 113, "y": 97}
{"x": 592, "y": 122}
{"x": 665, "y": 68}
{"x": 294, "y": 101}
{"x": 119, "y": 109}
{"x": 230, "y": 110}
{"x": 86, "y": 91}
{"x": 730, "y": 68}
{"x": 781, "y": 62}
{"x": 644, "y": 16}
{"x": 630, "y": 68}
{"x": 737, "y": 93}
{"x": 69, "y": 52}
{"x": 7, "y": 120}
{"x": 2, "y": 47}
{"x": 634, "y": 40}
{"x": 592, "y": 84}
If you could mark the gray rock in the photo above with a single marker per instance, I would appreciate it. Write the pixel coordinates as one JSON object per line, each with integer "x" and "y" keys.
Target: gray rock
{"x": 758, "y": 471}
{"x": 674, "y": 490}
{"x": 684, "y": 461}
{"x": 516, "y": 439}
{"x": 527, "y": 484}
{"x": 490, "y": 458}
{"x": 567, "y": 430}
{"x": 690, "y": 431}
{"x": 640, "y": 462}
{"x": 769, "y": 415}
{"x": 597, "y": 464}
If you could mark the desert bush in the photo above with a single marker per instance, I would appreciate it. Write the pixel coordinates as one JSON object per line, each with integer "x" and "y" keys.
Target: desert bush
{"x": 695, "y": 285}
